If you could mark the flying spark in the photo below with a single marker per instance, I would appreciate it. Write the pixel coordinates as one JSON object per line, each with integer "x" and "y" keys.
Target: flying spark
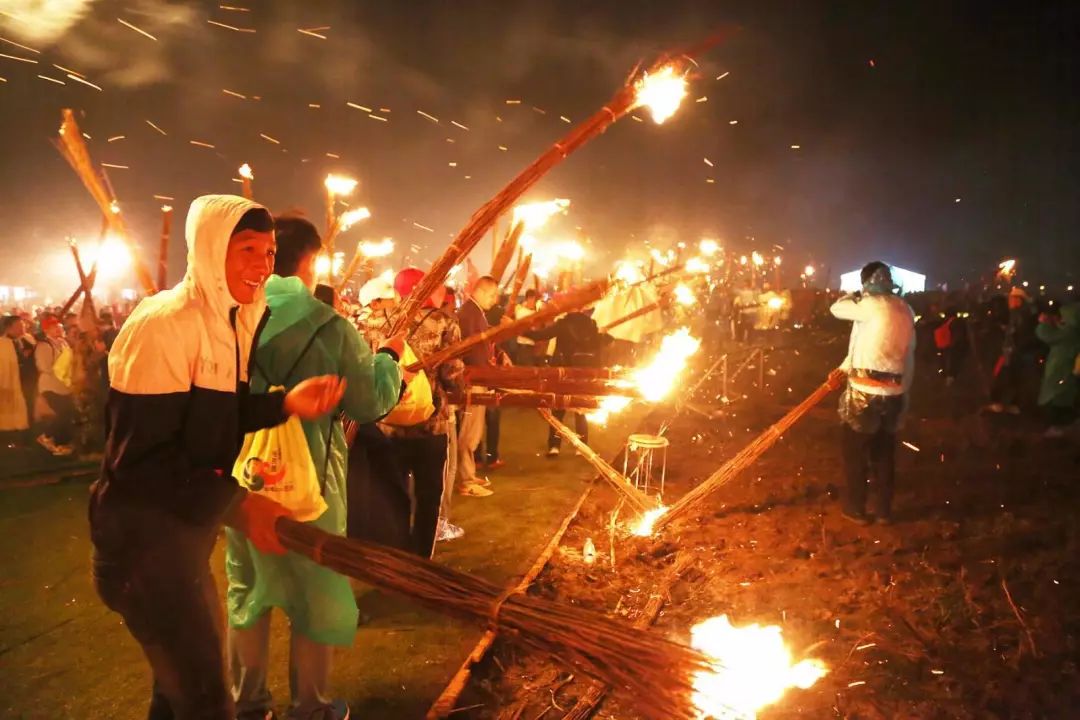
{"x": 455, "y": 123}
{"x": 909, "y": 446}
{"x": 314, "y": 105}
{"x": 358, "y": 107}
{"x": 513, "y": 102}
{"x": 18, "y": 45}
{"x": 231, "y": 27}
{"x": 266, "y": 137}
{"x": 377, "y": 117}
{"x": 312, "y": 33}
{"x": 234, "y": 94}
{"x": 708, "y": 162}
{"x": 432, "y": 118}
{"x": 164, "y": 197}
{"x": 156, "y": 128}
{"x": 234, "y": 8}
{"x": 703, "y": 98}
{"x": 201, "y": 144}
{"x": 117, "y": 167}
{"x": 20, "y": 59}
{"x": 126, "y": 24}
{"x": 68, "y": 70}
{"x": 564, "y": 119}
{"x": 83, "y": 81}
{"x": 52, "y": 80}
{"x": 423, "y": 227}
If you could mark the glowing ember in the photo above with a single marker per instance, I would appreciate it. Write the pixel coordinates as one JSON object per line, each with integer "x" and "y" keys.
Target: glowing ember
{"x": 709, "y": 247}
{"x": 609, "y": 404}
{"x": 777, "y": 260}
{"x": 662, "y": 259}
{"x": 534, "y": 215}
{"x": 752, "y": 668}
{"x": 644, "y": 526}
{"x": 757, "y": 258}
{"x": 684, "y": 295}
{"x": 351, "y": 217}
{"x": 1006, "y": 267}
{"x": 245, "y": 172}
{"x": 570, "y": 250}
{"x": 659, "y": 377}
{"x": 377, "y": 248}
{"x": 325, "y": 267}
{"x": 809, "y": 271}
{"x": 628, "y": 272}
{"x": 340, "y": 185}
{"x": 114, "y": 207}
{"x": 776, "y": 303}
{"x": 166, "y": 208}
{"x": 697, "y": 265}
{"x": 661, "y": 92}
{"x": 112, "y": 258}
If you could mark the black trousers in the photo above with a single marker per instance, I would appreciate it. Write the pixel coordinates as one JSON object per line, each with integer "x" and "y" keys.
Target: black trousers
{"x": 378, "y": 491}
{"x": 581, "y": 427}
{"x": 1009, "y": 380}
{"x": 869, "y": 456}
{"x": 425, "y": 458}
{"x": 154, "y": 570}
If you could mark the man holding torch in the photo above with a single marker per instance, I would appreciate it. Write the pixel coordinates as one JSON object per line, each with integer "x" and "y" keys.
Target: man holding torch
{"x": 880, "y": 364}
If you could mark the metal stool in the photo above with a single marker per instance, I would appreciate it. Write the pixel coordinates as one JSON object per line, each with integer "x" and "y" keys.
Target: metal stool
{"x": 644, "y": 449}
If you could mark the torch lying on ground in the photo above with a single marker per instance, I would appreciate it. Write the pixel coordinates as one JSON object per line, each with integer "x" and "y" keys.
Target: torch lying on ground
{"x": 746, "y": 457}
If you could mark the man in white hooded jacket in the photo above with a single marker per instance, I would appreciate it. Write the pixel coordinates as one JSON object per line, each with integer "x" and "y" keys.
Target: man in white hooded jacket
{"x": 178, "y": 407}
{"x": 880, "y": 365}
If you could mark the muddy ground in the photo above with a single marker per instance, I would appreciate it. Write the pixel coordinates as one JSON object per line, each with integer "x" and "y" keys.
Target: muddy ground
{"x": 914, "y": 620}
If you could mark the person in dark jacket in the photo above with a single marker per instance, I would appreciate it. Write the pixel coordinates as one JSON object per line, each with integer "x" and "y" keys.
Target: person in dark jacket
{"x": 1019, "y": 349}
{"x": 578, "y": 343}
{"x": 178, "y": 406}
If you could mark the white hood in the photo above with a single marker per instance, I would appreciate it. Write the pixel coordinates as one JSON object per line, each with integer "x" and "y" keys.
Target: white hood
{"x": 182, "y": 336}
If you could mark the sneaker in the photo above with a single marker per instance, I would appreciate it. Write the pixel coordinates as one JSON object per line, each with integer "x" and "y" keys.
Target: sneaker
{"x": 481, "y": 481}
{"x": 1054, "y": 432}
{"x": 857, "y": 518}
{"x": 553, "y": 452}
{"x": 1013, "y": 410}
{"x": 474, "y": 490}
{"x": 496, "y": 464}
{"x": 46, "y": 442}
{"x": 62, "y": 450}
{"x": 448, "y": 531}
{"x": 996, "y": 408}
{"x": 336, "y": 710}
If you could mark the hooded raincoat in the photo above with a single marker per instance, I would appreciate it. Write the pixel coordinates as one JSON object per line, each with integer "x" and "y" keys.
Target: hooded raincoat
{"x": 1059, "y": 383}
{"x": 306, "y": 338}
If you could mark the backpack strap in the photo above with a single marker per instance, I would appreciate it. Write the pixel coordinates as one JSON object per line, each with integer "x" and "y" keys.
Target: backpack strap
{"x": 296, "y": 363}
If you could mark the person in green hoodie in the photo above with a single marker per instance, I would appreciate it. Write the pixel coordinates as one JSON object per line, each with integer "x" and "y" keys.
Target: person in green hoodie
{"x": 304, "y": 338}
{"x": 1060, "y": 385}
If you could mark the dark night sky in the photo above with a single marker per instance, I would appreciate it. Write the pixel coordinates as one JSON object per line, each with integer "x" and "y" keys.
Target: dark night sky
{"x": 970, "y": 100}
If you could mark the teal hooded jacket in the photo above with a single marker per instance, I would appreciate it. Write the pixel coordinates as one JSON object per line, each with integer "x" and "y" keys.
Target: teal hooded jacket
{"x": 319, "y": 602}
{"x": 1059, "y": 383}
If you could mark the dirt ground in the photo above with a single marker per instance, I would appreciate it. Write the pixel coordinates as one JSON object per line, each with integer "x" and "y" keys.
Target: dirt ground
{"x": 914, "y": 620}
{"x": 63, "y": 655}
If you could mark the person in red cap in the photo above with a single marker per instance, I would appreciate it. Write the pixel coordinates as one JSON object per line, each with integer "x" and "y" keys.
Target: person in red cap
{"x": 422, "y": 448}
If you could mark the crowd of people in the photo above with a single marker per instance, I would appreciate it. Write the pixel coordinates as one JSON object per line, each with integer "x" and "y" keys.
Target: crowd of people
{"x": 251, "y": 392}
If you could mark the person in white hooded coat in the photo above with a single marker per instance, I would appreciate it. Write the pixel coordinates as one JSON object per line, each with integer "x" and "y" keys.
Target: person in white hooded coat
{"x": 178, "y": 406}
{"x": 880, "y": 365}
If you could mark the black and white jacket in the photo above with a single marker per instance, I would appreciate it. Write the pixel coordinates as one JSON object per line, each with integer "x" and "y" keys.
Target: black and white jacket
{"x": 179, "y": 402}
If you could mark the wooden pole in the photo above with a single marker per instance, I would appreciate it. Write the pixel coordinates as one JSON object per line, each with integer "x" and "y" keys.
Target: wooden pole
{"x": 485, "y": 375}
{"x": 86, "y": 284}
{"x": 620, "y": 105}
{"x": 520, "y": 273}
{"x": 562, "y": 387}
{"x": 571, "y": 302}
{"x": 505, "y": 253}
{"x": 637, "y": 499}
{"x": 526, "y": 399}
{"x": 72, "y": 147}
{"x": 748, "y": 455}
{"x": 163, "y": 247}
{"x": 644, "y": 310}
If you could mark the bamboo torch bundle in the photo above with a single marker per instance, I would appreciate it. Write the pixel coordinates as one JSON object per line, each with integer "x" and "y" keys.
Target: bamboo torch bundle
{"x": 551, "y": 401}
{"x": 163, "y": 247}
{"x": 656, "y": 672}
{"x": 520, "y": 274}
{"x": 572, "y": 301}
{"x": 483, "y": 375}
{"x": 637, "y": 499}
{"x": 505, "y": 252}
{"x": 72, "y": 147}
{"x": 632, "y": 94}
{"x": 748, "y": 455}
{"x": 563, "y": 387}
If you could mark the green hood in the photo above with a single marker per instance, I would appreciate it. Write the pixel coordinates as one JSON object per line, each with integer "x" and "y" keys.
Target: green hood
{"x": 290, "y": 303}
